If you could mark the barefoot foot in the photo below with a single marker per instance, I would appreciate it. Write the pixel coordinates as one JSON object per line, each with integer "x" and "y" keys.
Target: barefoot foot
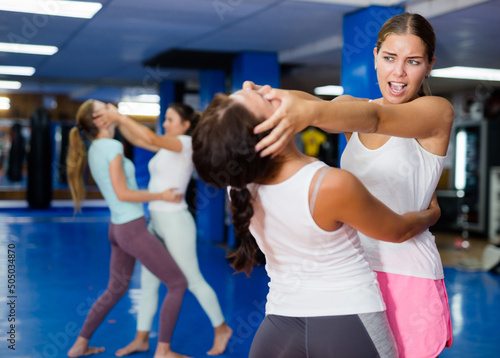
{"x": 163, "y": 351}
{"x": 133, "y": 347}
{"x": 81, "y": 348}
{"x": 221, "y": 338}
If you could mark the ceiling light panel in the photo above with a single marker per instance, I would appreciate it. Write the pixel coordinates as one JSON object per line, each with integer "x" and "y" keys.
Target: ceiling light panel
{"x": 10, "y": 84}
{"x": 78, "y": 9}
{"x": 468, "y": 73}
{"x": 17, "y": 70}
{"x": 29, "y": 49}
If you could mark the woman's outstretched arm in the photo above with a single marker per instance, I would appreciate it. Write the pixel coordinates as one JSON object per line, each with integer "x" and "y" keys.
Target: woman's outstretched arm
{"x": 422, "y": 118}
{"x": 137, "y": 133}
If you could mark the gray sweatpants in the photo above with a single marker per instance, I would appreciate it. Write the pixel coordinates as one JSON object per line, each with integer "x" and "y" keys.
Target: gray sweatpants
{"x": 366, "y": 335}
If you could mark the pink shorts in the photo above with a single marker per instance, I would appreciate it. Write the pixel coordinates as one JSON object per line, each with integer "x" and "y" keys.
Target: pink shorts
{"x": 418, "y": 313}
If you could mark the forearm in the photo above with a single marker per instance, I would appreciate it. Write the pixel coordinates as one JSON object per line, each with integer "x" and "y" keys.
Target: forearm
{"x": 130, "y": 136}
{"x": 135, "y": 131}
{"x": 339, "y": 117}
{"x": 305, "y": 95}
{"x": 419, "y": 221}
{"x": 137, "y": 196}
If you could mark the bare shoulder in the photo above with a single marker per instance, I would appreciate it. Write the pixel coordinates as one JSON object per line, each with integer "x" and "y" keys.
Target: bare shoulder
{"x": 335, "y": 198}
{"x": 435, "y": 102}
{"x": 339, "y": 184}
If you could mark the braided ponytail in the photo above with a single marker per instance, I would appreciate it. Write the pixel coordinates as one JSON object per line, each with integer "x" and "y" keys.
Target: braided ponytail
{"x": 242, "y": 211}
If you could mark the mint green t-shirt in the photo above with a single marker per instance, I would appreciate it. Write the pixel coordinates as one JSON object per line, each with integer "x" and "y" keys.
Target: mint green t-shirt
{"x": 101, "y": 153}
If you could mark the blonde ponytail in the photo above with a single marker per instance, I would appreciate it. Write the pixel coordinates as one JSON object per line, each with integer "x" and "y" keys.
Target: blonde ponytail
{"x": 75, "y": 164}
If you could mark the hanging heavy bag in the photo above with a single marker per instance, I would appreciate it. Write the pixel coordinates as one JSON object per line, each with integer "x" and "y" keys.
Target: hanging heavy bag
{"x": 39, "y": 161}
{"x": 16, "y": 154}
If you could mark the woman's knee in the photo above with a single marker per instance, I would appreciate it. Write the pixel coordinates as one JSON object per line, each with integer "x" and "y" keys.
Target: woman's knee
{"x": 199, "y": 286}
{"x": 109, "y": 297}
{"x": 178, "y": 283}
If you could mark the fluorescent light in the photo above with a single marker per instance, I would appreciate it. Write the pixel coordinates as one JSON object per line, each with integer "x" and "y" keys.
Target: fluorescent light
{"x": 17, "y": 70}
{"x": 10, "y": 84}
{"x": 4, "y": 103}
{"x": 30, "y": 49}
{"x": 139, "y": 109}
{"x": 362, "y": 3}
{"x": 468, "y": 73}
{"x": 329, "y": 90}
{"x": 149, "y": 98}
{"x": 143, "y": 98}
{"x": 460, "y": 160}
{"x": 80, "y": 9}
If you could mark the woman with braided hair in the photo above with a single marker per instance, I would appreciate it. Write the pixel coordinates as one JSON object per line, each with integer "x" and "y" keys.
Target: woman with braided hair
{"x": 397, "y": 147}
{"x": 324, "y": 299}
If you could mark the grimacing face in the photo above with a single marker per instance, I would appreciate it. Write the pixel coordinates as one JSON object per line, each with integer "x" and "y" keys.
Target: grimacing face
{"x": 402, "y": 64}
{"x": 255, "y": 101}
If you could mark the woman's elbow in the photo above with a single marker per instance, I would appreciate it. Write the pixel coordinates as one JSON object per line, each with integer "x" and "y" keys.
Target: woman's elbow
{"x": 374, "y": 126}
{"x": 401, "y": 234}
{"x": 121, "y": 195}
{"x": 150, "y": 139}
{"x": 375, "y": 119}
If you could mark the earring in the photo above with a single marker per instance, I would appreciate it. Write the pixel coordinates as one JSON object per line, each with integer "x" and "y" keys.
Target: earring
{"x": 427, "y": 77}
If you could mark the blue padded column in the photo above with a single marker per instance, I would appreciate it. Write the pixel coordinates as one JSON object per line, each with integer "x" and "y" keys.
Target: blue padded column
{"x": 261, "y": 68}
{"x": 210, "y": 202}
{"x": 167, "y": 96}
{"x": 360, "y": 30}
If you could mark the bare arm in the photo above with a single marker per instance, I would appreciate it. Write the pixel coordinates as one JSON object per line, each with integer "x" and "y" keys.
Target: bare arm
{"x": 423, "y": 118}
{"x": 345, "y": 199}
{"x": 124, "y": 193}
{"x": 252, "y": 86}
{"x": 137, "y": 133}
{"x": 416, "y": 119}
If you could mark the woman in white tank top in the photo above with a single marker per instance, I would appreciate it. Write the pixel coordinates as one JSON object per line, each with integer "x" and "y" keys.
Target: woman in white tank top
{"x": 401, "y": 172}
{"x": 323, "y": 299}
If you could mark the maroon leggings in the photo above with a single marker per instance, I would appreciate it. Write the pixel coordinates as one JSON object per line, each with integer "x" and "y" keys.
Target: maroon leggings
{"x": 131, "y": 241}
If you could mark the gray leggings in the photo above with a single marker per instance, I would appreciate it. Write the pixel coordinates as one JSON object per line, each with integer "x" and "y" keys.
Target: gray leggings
{"x": 131, "y": 241}
{"x": 364, "y": 335}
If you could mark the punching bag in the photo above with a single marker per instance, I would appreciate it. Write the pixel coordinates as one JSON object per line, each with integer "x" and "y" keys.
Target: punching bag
{"x": 16, "y": 154}
{"x": 39, "y": 161}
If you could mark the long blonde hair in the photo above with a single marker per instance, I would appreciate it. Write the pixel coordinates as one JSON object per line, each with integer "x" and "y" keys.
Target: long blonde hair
{"x": 77, "y": 152}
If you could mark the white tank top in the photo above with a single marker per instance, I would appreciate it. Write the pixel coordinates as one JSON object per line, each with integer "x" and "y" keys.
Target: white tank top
{"x": 403, "y": 175}
{"x": 169, "y": 169}
{"x": 312, "y": 272}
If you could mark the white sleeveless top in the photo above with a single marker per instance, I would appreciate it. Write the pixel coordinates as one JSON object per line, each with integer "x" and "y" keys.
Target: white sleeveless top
{"x": 313, "y": 272}
{"x": 402, "y": 175}
{"x": 169, "y": 169}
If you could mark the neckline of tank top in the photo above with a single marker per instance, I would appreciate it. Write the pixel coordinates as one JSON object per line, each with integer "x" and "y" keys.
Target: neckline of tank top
{"x": 317, "y": 162}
